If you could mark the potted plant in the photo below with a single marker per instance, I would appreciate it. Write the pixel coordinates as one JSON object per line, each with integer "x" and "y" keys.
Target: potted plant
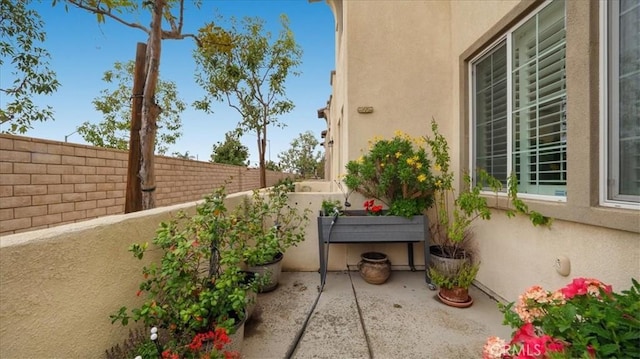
{"x": 454, "y": 288}
{"x": 396, "y": 173}
{"x": 330, "y": 207}
{"x": 213, "y": 344}
{"x": 196, "y": 287}
{"x": 267, "y": 226}
{"x": 454, "y": 213}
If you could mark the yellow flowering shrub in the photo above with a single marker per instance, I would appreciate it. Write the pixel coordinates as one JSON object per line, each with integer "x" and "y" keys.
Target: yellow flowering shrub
{"x": 396, "y": 172}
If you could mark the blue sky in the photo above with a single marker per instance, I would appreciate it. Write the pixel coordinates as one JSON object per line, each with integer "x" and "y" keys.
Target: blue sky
{"x": 82, "y": 50}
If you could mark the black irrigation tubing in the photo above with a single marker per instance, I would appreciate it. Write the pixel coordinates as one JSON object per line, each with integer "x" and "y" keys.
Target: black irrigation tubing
{"x": 323, "y": 277}
{"x": 364, "y": 329}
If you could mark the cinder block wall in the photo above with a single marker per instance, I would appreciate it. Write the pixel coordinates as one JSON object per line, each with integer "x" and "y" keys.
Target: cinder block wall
{"x": 46, "y": 183}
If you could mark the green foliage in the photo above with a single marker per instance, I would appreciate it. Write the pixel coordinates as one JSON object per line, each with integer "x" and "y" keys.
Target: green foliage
{"x": 231, "y": 151}
{"x": 301, "y": 158}
{"x": 455, "y": 213}
{"x": 397, "y": 172}
{"x": 115, "y": 104}
{"x": 267, "y": 224}
{"x": 184, "y": 156}
{"x": 463, "y": 278}
{"x": 21, "y": 37}
{"x": 249, "y": 74}
{"x": 329, "y": 207}
{"x": 137, "y": 343}
{"x": 585, "y": 319}
{"x": 168, "y": 13}
{"x": 537, "y": 218}
{"x": 273, "y": 166}
{"x": 198, "y": 282}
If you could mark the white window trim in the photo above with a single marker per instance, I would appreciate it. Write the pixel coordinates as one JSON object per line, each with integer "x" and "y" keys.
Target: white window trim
{"x": 604, "y": 112}
{"x": 488, "y": 49}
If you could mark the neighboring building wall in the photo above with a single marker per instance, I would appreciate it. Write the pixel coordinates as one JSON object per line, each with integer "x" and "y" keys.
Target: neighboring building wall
{"x": 407, "y": 59}
{"x": 47, "y": 183}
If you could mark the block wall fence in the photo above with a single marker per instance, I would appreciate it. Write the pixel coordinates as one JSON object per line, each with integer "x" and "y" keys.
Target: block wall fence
{"x": 47, "y": 183}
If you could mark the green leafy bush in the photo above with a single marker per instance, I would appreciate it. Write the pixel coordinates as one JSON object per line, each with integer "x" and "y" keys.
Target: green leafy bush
{"x": 267, "y": 225}
{"x": 198, "y": 283}
{"x": 396, "y": 172}
{"x": 585, "y": 319}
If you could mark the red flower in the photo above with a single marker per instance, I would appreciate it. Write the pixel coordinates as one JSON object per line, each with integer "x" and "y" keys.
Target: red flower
{"x": 371, "y": 207}
{"x": 524, "y": 334}
{"x": 584, "y": 286}
{"x": 167, "y": 354}
{"x": 138, "y": 292}
{"x": 231, "y": 355}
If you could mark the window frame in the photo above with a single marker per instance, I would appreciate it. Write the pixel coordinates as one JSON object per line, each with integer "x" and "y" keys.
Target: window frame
{"x": 609, "y": 70}
{"x": 507, "y": 39}
{"x": 583, "y": 116}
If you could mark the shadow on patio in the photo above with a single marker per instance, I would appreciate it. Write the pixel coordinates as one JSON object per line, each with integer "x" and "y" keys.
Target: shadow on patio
{"x": 353, "y": 319}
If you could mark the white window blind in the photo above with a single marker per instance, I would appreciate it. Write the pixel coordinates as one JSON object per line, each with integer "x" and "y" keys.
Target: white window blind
{"x": 490, "y": 90}
{"x": 519, "y": 105}
{"x": 623, "y": 172}
{"x": 539, "y": 102}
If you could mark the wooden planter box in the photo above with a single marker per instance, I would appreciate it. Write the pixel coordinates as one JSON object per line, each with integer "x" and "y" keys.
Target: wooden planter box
{"x": 358, "y": 227}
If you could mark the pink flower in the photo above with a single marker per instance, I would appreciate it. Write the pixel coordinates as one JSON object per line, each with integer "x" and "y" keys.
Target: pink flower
{"x": 584, "y": 286}
{"x": 527, "y": 305}
{"x": 494, "y": 348}
{"x": 524, "y": 334}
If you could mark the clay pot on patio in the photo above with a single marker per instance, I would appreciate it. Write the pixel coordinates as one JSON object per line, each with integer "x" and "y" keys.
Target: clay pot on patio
{"x": 375, "y": 267}
{"x": 456, "y": 294}
{"x": 455, "y": 297}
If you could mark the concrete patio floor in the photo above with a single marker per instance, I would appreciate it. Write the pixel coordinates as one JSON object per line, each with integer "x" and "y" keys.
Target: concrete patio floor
{"x": 401, "y": 318}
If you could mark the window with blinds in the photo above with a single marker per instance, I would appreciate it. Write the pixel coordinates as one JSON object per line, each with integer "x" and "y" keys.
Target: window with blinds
{"x": 539, "y": 97}
{"x": 519, "y": 105}
{"x": 491, "y": 113}
{"x": 623, "y": 101}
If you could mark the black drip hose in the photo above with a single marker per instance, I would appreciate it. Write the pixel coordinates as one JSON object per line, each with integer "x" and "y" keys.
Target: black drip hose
{"x": 323, "y": 278}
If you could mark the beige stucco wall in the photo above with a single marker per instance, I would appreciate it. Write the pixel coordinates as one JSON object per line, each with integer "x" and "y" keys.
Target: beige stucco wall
{"x": 515, "y": 255}
{"x": 58, "y": 286}
{"x": 388, "y": 69}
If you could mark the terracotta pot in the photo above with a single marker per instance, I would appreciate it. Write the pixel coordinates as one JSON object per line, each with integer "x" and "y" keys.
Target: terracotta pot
{"x": 456, "y": 294}
{"x": 375, "y": 267}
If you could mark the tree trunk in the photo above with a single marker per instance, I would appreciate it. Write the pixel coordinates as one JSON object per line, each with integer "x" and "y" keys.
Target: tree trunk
{"x": 263, "y": 171}
{"x": 133, "y": 196}
{"x": 262, "y": 148}
{"x": 150, "y": 110}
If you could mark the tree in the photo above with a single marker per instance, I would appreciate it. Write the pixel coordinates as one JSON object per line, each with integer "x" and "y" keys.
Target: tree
{"x": 250, "y": 77}
{"x": 20, "y": 34}
{"x": 231, "y": 152}
{"x": 302, "y": 158}
{"x": 184, "y": 156}
{"x": 273, "y": 166}
{"x": 114, "y": 130}
{"x": 161, "y": 11}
